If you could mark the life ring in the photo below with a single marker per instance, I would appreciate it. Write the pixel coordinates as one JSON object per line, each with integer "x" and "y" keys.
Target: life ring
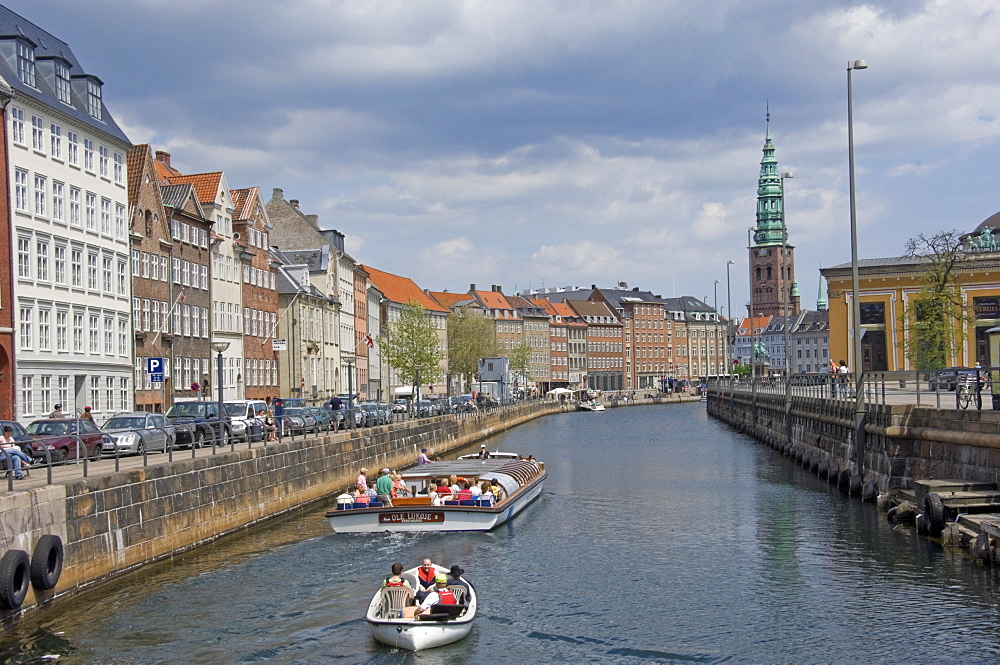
{"x": 46, "y": 562}
{"x": 14, "y": 577}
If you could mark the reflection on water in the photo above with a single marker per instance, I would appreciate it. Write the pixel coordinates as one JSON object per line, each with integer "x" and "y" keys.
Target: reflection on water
{"x": 661, "y": 537}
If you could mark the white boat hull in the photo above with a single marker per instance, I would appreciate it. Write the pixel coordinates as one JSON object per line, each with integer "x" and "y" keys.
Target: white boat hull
{"x": 433, "y": 518}
{"x": 418, "y": 635}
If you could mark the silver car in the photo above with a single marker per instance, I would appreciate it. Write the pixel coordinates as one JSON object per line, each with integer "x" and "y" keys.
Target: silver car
{"x": 298, "y": 421}
{"x": 138, "y": 431}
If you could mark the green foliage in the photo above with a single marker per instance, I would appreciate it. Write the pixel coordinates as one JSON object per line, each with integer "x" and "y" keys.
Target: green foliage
{"x": 412, "y": 344}
{"x": 520, "y": 360}
{"x": 741, "y": 370}
{"x": 471, "y": 336}
{"x": 935, "y": 320}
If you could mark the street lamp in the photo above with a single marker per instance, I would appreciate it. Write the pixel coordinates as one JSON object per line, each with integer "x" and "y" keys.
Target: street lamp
{"x": 220, "y": 347}
{"x": 716, "y": 327}
{"x": 855, "y": 288}
{"x": 729, "y": 311}
{"x": 785, "y": 277}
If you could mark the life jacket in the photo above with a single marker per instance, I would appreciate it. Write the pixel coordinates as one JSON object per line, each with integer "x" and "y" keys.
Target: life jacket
{"x": 390, "y": 582}
{"x": 427, "y": 577}
{"x": 446, "y": 597}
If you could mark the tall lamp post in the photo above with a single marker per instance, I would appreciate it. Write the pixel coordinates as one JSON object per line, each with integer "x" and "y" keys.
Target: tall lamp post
{"x": 729, "y": 326}
{"x": 785, "y": 279}
{"x": 715, "y": 334}
{"x": 859, "y": 413}
{"x": 220, "y": 347}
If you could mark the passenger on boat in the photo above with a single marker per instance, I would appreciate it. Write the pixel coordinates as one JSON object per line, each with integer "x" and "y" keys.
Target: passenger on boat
{"x": 395, "y": 579}
{"x": 426, "y": 573}
{"x": 372, "y": 494}
{"x": 453, "y": 483}
{"x": 487, "y": 491}
{"x": 345, "y": 499}
{"x": 362, "y": 481}
{"x": 441, "y": 492}
{"x": 497, "y": 489}
{"x": 456, "y": 573}
{"x": 422, "y": 458}
{"x": 483, "y": 452}
{"x": 399, "y": 488}
{"x": 441, "y": 600}
{"x": 383, "y": 487}
{"x": 360, "y": 496}
{"x": 475, "y": 489}
{"x": 464, "y": 494}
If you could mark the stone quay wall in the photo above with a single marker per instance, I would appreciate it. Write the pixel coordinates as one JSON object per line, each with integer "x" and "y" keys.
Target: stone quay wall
{"x": 902, "y": 443}
{"x": 113, "y": 523}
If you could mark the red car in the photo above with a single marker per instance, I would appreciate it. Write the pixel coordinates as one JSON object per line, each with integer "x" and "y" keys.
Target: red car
{"x": 59, "y": 437}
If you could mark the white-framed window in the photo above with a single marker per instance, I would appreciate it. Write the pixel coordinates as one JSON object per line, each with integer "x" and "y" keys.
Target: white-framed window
{"x": 204, "y": 277}
{"x": 145, "y": 265}
{"x": 194, "y": 322}
{"x": 95, "y": 334}
{"x": 137, "y": 313}
{"x": 108, "y": 265}
{"x": 77, "y": 332}
{"x": 17, "y": 125}
{"x": 92, "y": 271}
{"x": 76, "y": 267}
{"x": 185, "y": 233}
{"x": 26, "y": 63}
{"x": 175, "y": 229}
{"x": 109, "y": 336}
{"x": 21, "y": 189}
{"x": 154, "y": 315}
{"x": 75, "y": 218}
{"x": 106, "y": 216}
{"x": 41, "y": 187}
{"x": 176, "y": 264}
{"x": 94, "y": 100}
{"x": 59, "y": 261}
{"x": 120, "y": 224}
{"x": 122, "y": 277}
{"x": 42, "y": 259}
{"x": 145, "y": 314}
{"x": 88, "y": 155}
{"x": 95, "y": 393}
{"x": 164, "y": 273}
{"x": 109, "y": 392}
{"x": 24, "y": 257}
{"x": 37, "y": 134}
{"x": 135, "y": 262}
{"x": 63, "y": 393}
{"x": 119, "y": 168}
{"x": 186, "y": 273}
{"x": 177, "y": 321}
{"x": 204, "y": 322}
{"x": 90, "y": 207}
{"x": 102, "y": 160}
{"x": 73, "y": 148}
{"x": 63, "y": 83}
{"x": 186, "y": 320}
{"x": 126, "y": 394}
{"x": 55, "y": 141}
{"x": 44, "y": 329}
{"x": 27, "y": 394}
{"x": 27, "y": 328}
{"x": 58, "y": 201}
{"x": 62, "y": 324}
{"x": 203, "y": 238}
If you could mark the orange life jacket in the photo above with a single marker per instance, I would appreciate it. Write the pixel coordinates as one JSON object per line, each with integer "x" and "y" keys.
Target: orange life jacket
{"x": 391, "y": 582}
{"x": 446, "y": 597}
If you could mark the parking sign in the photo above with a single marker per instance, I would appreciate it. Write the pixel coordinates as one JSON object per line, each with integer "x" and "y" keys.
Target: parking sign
{"x": 155, "y": 368}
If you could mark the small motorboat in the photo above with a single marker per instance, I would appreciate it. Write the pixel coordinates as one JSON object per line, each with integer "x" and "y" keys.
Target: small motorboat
{"x": 389, "y": 626}
{"x": 589, "y": 406}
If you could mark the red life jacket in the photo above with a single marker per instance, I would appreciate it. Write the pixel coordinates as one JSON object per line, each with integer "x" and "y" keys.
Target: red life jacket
{"x": 446, "y": 597}
{"x": 427, "y": 576}
{"x": 391, "y": 582}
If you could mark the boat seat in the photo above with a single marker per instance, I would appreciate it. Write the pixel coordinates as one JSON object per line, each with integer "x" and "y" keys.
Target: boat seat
{"x": 359, "y": 505}
{"x": 375, "y": 504}
{"x": 451, "y": 503}
{"x": 459, "y": 592}
{"x": 467, "y": 502}
{"x": 412, "y": 579}
{"x": 345, "y": 506}
{"x": 394, "y": 599}
{"x": 485, "y": 503}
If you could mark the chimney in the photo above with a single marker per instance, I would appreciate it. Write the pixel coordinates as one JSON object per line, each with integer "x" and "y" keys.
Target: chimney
{"x": 312, "y": 219}
{"x": 593, "y": 287}
{"x": 294, "y": 203}
{"x": 163, "y": 157}
{"x": 635, "y": 288}
{"x": 276, "y": 193}
{"x": 472, "y": 287}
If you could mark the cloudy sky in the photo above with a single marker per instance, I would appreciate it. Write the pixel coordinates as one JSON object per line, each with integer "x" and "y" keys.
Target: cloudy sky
{"x": 565, "y": 142}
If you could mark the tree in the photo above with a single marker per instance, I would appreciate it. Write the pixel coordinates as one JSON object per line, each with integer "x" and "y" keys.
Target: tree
{"x": 471, "y": 336}
{"x": 936, "y": 319}
{"x": 411, "y": 345}
{"x": 520, "y": 360}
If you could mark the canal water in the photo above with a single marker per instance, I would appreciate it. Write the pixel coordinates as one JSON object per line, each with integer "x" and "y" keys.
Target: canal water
{"x": 661, "y": 537}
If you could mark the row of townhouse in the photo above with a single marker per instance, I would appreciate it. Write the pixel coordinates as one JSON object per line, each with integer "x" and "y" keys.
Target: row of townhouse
{"x": 808, "y": 338}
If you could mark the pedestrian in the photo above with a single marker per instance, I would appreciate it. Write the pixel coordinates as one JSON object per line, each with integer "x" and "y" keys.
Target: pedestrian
{"x": 58, "y": 413}
{"x": 87, "y": 415}
{"x": 842, "y": 372}
{"x": 832, "y": 372}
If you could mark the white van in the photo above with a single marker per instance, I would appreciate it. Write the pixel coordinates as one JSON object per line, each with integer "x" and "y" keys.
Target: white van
{"x": 246, "y": 425}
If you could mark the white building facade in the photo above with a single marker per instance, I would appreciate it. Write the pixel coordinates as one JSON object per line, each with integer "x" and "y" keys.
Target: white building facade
{"x": 69, "y": 202}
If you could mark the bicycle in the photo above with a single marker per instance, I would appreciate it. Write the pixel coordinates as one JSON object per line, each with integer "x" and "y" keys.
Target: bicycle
{"x": 965, "y": 392}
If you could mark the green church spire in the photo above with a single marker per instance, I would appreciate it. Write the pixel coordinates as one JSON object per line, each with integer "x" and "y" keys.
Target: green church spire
{"x": 821, "y": 296}
{"x": 769, "y": 203}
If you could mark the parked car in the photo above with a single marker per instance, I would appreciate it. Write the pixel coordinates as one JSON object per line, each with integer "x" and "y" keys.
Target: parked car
{"x": 324, "y": 418}
{"x": 949, "y": 378}
{"x": 138, "y": 431}
{"x": 61, "y": 439}
{"x": 373, "y": 415}
{"x": 387, "y": 414}
{"x": 197, "y": 423}
{"x": 298, "y": 420}
{"x": 243, "y": 415}
{"x": 19, "y": 434}
{"x": 400, "y": 406}
{"x": 425, "y": 408}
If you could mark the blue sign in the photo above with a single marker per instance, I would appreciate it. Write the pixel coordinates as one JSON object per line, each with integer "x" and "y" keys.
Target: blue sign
{"x": 154, "y": 366}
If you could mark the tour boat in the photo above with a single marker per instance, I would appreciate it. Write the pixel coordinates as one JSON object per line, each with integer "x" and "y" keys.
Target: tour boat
{"x": 589, "y": 406}
{"x": 521, "y": 481}
{"x": 389, "y": 626}
{"x": 493, "y": 454}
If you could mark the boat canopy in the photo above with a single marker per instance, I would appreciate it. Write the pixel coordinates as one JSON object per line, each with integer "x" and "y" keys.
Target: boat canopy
{"x": 513, "y": 474}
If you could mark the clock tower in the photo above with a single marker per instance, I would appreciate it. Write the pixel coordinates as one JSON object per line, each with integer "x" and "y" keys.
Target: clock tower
{"x": 772, "y": 259}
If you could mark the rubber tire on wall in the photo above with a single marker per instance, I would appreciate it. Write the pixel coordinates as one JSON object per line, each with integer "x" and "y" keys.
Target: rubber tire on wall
{"x": 934, "y": 510}
{"x": 47, "y": 562}
{"x": 14, "y": 577}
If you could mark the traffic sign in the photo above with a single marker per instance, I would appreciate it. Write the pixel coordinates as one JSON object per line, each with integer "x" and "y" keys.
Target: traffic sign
{"x": 154, "y": 366}
{"x": 195, "y": 387}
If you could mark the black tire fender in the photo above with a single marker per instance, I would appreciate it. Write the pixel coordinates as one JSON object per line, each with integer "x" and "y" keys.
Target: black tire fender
{"x": 14, "y": 578}
{"x": 47, "y": 562}
{"x": 934, "y": 510}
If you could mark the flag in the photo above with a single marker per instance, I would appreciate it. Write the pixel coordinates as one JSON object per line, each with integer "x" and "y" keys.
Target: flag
{"x": 367, "y": 339}
{"x": 183, "y": 296}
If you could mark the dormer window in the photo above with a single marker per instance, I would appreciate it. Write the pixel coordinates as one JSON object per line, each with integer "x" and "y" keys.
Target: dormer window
{"x": 62, "y": 83}
{"x": 94, "y": 107}
{"x": 26, "y": 63}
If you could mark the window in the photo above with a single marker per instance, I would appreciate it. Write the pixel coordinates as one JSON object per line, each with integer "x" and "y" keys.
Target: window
{"x": 37, "y": 133}
{"x": 119, "y": 169}
{"x": 91, "y": 208}
{"x": 17, "y": 125}
{"x": 77, "y": 332}
{"x": 145, "y": 264}
{"x": 120, "y": 220}
{"x": 185, "y": 233}
{"x": 58, "y": 201}
{"x": 62, "y": 83}
{"x": 102, "y": 160}
{"x": 109, "y": 336}
{"x": 154, "y": 315}
{"x": 95, "y": 334}
{"x": 164, "y": 273}
{"x": 203, "y": 238}
{"x": 41, "y": 185}
{"x": 21, "y": 189}
{"x": 106, "y": 216}
{"x": 76, "y": 261}
{"x": 204, "y": 277}
{"x": 27, "y": 328}
{"x": 62, "y": 318}
{"x": 24, "y": 257}
{"x": 186, "y": 319}
{"x": 204, "y": 322}
{"x": 88, "y": 154}
{"x": 95, "y": 393}
{"x": 72, "y": 148}
{"x": 175, "y": 229}
{"x": 123, "y": 277}
{"x": 109, "y": 281}
{"x": 59, "y": 255}
{"x": 186, "y": 273}
{"x": 145, "y": 315}
{"x": 44, "y": 330}
{"x": 27, "y": 394}
{"x": 75, "y": 219}
{"x": 177, "y": 322}
{"x": 126, "y": 393}
{"x": 94, "y": 100}
{"x": 176, "y": 263}
{"x": 26, "y": 63}
{"x": 55, "y": 141}
{"x": 92, "y": 271}
{"x": 42, "y": 259}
